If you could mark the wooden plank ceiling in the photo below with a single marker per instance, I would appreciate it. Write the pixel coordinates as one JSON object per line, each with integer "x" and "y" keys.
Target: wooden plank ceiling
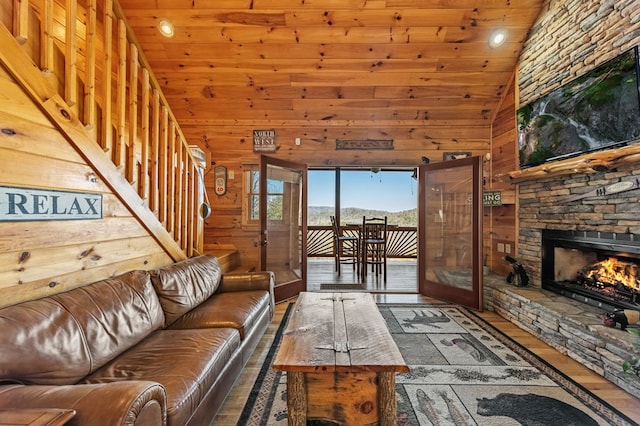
{"x": 253, "y": 61}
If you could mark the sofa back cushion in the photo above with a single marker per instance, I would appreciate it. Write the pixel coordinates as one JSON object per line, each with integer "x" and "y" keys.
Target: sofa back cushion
{"x": 184, "y": 285}
{"x": 42, "y": 344}
{"x": 115, "y": 314}
{"x": 60, "y": 339}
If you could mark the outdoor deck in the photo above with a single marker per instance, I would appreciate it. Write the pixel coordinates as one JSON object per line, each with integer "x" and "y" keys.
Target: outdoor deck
{"x": 402, "y": 277}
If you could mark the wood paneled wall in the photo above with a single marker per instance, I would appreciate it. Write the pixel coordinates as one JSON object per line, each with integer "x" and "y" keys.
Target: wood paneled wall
{"x": 232, "y": 147}
{"x": 500, "y": 221}
{"x": 47, "y": 257}
{"x": 540, "y": 70}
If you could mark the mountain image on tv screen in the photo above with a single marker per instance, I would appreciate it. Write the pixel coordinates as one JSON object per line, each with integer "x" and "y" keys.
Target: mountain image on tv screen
{"x": 597, "y": 111}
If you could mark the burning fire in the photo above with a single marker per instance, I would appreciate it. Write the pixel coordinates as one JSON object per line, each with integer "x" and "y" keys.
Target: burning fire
{"x": 613, "y": 271}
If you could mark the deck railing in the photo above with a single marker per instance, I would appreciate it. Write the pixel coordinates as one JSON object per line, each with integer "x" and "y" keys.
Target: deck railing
{"x": 402, "y": 241}
{"x": 89, "y": 58}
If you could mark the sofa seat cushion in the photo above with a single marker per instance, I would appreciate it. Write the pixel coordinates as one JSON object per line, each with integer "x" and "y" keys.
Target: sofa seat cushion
{"x": 184, "y": 285}
{"x": 185, "y": 362}
{"x": 237, "y": 309}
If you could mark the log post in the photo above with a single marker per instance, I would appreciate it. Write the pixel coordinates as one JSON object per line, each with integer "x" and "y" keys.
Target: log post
{"x": 387, "y": 398}
{"x": 296, "y": 399}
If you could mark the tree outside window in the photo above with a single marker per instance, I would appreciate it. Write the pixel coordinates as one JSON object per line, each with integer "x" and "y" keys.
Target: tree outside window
{"x": 275, "y": 198}
{"x": 251, "y": 196}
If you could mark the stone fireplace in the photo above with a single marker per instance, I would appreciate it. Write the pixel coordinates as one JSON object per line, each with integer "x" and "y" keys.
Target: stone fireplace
{"x": 542, "y": 209}
{"x": 577, "y": 234}
{"x": 571, "y": 326}
{"x": 601, "y": 269}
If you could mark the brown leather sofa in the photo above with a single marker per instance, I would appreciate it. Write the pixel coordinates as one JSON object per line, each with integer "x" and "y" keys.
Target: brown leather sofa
{"x": 144, "y": 348}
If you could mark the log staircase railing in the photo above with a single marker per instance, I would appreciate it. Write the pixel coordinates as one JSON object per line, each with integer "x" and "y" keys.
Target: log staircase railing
{"x": 90, "y": 64}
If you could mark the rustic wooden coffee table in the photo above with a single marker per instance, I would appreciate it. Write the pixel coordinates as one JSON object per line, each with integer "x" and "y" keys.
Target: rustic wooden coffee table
{"x": 340, "y": 361}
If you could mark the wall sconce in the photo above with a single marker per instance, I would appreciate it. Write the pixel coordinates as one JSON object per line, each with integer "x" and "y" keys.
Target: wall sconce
{"x": 205, "y": 207}
{"x": 205, "y": 210}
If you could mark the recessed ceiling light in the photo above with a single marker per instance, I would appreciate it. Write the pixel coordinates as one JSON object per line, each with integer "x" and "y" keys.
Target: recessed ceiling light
{"x": 497, "y": 38}
{"x": 166, "y": 28}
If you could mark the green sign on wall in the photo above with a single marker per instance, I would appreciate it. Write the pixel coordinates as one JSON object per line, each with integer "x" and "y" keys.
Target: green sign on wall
{"x": 492, "y": 198}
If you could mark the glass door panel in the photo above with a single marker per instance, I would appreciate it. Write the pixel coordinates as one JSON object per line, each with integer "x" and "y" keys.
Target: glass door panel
{"x": 283, "y": 224}
{"x": 450, "y": 231}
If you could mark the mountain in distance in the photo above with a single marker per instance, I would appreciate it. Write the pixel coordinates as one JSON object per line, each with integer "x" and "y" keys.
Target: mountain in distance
{"x": 319, "y": 216}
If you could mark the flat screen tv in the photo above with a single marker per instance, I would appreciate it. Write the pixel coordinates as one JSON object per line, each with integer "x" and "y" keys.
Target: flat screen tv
{"x": 597, "y": 111}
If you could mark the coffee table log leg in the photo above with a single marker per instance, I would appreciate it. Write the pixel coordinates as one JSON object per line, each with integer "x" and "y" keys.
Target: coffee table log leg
{"x": 387, "y": 395}
{"x": 296, "y": 399}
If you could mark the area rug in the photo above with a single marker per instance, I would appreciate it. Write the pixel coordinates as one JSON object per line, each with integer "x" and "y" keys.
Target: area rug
{"x": 463, "y": 372}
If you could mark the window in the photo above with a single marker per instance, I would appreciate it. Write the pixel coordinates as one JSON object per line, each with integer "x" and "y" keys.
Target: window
{"x": 394, "y": 195}
{"x": 251, "y": 195}
{"x": 322, "y": 196}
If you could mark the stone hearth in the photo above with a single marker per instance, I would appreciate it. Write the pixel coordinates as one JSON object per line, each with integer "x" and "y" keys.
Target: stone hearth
{"x": 571, "y": 327}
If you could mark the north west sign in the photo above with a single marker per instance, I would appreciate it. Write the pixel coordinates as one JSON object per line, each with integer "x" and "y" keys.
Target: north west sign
{"x": 28, "y": 204}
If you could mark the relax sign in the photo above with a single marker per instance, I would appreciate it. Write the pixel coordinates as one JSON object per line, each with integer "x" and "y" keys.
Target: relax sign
{"x": 26, "y": 204}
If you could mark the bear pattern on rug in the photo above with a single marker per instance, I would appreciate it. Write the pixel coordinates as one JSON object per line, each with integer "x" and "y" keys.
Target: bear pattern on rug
{"x": 533, "y": 410}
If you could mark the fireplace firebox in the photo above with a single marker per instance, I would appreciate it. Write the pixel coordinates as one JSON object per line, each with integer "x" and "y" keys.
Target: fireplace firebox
{"x": 598, "y": 268}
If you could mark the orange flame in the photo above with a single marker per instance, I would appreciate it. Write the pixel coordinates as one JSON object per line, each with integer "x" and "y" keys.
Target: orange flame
{"x": 614, "y": 271}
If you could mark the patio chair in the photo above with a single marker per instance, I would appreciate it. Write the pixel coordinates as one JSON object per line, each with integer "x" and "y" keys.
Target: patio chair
{"x": 374, "y": 246}
{"x": 346, "y": 248}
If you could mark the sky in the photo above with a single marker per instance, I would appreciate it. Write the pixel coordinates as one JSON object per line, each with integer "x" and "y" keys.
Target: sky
{"x": 386, "y": 190}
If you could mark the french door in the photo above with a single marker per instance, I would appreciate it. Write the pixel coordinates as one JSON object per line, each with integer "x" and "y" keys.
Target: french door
{"x": 283, "y": 224}
{"x": 450, "y": 231}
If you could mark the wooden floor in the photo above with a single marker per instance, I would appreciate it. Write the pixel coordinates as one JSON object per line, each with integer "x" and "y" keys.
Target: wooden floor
{"x": 230, "y": 412}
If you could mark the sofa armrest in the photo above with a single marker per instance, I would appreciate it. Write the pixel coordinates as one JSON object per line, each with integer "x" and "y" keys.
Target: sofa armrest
{"x": 243, "y": 281}
{"x": 138, "y": 403}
